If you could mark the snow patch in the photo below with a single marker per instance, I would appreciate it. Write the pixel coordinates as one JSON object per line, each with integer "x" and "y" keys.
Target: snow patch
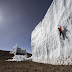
{"x": 20, "y": 58}
{"x": 19, "y": 54}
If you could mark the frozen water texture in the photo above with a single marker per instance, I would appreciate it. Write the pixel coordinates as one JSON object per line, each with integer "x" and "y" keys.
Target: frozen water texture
{"x": 19, "y": 54}
{"x": 47, "y": 47}
{"x": 20, "y": 58}
{"x": 18, "y": 51}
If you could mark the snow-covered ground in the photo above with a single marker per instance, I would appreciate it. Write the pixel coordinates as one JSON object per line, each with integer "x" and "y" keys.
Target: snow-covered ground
{"x": 19, "y": 54}
{"x": 47, "y": 46}
{"x": 20, "y": 58}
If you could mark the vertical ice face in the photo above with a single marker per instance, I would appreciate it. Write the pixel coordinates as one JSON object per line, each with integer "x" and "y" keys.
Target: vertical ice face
{"x": 47, "y": 47}
{"x": 19, "y": 51}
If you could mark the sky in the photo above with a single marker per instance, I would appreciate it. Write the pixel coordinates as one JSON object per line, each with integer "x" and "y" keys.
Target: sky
{"x": 18, "y": 19}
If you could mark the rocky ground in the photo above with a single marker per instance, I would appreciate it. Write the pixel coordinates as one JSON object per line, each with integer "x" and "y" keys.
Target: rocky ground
{"x": 28, "y": 66}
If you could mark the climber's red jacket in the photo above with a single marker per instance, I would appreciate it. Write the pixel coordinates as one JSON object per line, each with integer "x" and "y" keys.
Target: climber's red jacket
{"x": 60, "y": 29}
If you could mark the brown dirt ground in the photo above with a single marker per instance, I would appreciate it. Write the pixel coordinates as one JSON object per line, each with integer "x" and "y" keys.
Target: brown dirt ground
{"x": 28, "y": 66}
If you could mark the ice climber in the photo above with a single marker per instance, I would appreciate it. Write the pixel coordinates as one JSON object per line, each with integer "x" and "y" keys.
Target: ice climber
{"x": 60, "y": 30}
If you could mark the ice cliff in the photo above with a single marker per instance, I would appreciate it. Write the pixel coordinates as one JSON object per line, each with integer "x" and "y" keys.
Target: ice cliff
{"x": 47, "y": 47}
{"x": 18, "y": 51}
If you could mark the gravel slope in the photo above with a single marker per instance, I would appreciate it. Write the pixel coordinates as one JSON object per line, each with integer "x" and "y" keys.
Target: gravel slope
{"x": 28, "y": 66}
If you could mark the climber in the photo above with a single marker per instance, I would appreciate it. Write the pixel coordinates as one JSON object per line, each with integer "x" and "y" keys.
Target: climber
{"x": 60, "y": 30}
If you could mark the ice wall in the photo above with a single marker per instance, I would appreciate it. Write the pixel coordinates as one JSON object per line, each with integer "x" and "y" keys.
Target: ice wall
{"x": 47, "y": 47}
{"x": 18, "y": 51}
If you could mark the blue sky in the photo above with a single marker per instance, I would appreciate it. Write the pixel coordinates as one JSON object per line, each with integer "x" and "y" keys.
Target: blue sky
{"x": 18, "y": 18}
